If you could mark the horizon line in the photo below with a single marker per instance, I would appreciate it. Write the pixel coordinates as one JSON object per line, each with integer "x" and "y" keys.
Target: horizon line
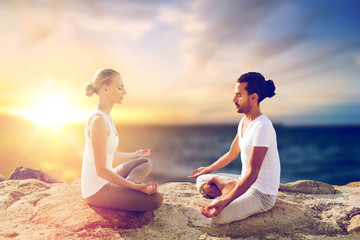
{"x": 192, "y": 124}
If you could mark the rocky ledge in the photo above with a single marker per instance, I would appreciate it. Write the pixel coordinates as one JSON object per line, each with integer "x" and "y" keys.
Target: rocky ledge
{"x": 33, "y": 209}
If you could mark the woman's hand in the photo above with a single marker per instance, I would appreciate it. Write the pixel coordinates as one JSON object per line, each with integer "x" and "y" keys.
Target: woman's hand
{"x": 147, "y": 188}
{"x": 142, "y": 153}
{"x": 200, "y": 171}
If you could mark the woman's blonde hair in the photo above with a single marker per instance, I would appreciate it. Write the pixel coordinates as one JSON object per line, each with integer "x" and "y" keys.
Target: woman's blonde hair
{"x": 101, "y": 77}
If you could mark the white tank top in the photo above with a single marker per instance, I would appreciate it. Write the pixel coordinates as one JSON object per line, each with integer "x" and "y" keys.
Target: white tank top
{"x": 90, "y": 181}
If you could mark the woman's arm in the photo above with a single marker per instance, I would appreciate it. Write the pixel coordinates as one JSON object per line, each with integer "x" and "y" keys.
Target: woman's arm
{"x": 99, "y": 131}
{"x": 124, "y": 156}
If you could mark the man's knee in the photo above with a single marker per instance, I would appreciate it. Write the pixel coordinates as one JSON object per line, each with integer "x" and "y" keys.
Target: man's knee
{"x": 220, "y": 219}
{"x": 202, "y": 179}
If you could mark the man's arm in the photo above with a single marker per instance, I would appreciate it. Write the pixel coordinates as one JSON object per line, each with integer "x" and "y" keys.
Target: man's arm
{"x": 224, "y": 160}
{"x": 256, "y": 159}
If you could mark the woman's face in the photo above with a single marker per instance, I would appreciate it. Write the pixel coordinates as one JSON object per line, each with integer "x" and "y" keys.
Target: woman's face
{"x": 116, "y": 90}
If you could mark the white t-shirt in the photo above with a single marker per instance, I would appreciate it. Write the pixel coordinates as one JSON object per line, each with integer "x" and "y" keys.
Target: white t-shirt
{"x": 261, "y": 133}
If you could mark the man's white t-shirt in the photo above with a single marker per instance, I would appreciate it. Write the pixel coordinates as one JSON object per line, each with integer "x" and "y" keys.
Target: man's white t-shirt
{"x": 261, "y": 133}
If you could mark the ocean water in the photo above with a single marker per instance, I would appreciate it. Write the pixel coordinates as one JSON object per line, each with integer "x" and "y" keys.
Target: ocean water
{"x": 327, "y": 154}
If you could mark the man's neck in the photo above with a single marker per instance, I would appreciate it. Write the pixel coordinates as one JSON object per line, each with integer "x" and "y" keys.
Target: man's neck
{"x": 253, "y": 114}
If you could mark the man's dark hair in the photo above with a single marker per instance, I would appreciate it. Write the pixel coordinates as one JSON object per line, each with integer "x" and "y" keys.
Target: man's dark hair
{"x": 256, "y": 83}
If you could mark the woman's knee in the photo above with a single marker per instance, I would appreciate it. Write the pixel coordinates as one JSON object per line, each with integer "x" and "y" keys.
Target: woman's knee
{"x": 153, "y": 202}
{"x": 157, "y": 200}
{"x": 146, "y": 160}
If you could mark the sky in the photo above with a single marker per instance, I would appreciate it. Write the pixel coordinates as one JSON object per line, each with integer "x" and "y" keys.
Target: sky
{"x": 180, "y": 59}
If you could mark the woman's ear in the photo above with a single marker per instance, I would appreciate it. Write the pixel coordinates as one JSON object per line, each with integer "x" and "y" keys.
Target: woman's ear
{"x": 104, "y": 88}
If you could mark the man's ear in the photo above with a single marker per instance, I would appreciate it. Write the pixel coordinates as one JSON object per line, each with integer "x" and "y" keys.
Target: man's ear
{"x": 255, "y": 97}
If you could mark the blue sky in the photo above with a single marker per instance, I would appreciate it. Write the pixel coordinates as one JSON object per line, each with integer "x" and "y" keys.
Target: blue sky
{"x": 180, "y": 59}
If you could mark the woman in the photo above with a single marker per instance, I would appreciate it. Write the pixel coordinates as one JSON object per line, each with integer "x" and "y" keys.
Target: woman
{"x": 101, "y": 185}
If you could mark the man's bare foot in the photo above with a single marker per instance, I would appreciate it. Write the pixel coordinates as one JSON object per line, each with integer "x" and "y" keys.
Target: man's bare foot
{"x": 228, "y": 186}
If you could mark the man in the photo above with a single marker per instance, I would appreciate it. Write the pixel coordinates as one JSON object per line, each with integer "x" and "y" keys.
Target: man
{"x": 257, "y": 187}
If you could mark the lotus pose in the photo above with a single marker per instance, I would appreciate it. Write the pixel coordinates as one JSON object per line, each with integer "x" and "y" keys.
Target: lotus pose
{"x": 216, "y": 186}
{"x": 256, "y": 188}
{"x": 101, "y": 184}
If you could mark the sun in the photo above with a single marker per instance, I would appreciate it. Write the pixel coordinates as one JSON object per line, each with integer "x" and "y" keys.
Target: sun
{"x": 52, "y": 109}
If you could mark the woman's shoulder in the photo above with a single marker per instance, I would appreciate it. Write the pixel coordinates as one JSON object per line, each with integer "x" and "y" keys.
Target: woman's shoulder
{"x": 97, "y": 120}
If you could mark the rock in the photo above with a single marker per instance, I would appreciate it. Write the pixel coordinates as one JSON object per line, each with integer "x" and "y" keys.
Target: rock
{"x": 354, "y": 224}
{"x": 12, "y": 191}
{"x": 353, "y": 184}
{"x": 285, "y": 217}
{"x": 31, "y": 173}
{"x": 32, "y": 209}
{"x": 2, "y": 178}
{"x": 307, "y": 186}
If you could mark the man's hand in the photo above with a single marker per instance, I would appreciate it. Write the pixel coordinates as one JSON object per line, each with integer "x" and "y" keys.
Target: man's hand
{"x": 199, "y": 171}
{"x": 214, "y": 209}
{"x": 142, "y": 153}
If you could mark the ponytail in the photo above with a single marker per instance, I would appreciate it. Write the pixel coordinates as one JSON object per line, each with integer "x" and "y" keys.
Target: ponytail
{"x": 270, "y": 88}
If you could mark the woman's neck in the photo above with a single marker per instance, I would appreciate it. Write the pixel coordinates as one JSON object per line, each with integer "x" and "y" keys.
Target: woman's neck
{"x": 104, "y": 107}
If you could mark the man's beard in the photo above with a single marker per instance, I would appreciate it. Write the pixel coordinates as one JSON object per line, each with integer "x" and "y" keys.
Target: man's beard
{"x": 244, "y": 108}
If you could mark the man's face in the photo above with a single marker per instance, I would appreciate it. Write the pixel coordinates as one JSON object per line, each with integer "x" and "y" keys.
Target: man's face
{"x": 241, "y": 98}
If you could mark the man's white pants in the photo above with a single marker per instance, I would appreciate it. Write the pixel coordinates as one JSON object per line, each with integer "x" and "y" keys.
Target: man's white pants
{"x": 248, "y": 204}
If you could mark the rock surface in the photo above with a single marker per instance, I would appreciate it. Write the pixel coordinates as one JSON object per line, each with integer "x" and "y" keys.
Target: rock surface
{"x": 32, "y": 173}
{"x": 2, "y": 178}
{"x": 307, "y": 186}
{"x": 353, "y": 184}
{"x": 31, "y": 209}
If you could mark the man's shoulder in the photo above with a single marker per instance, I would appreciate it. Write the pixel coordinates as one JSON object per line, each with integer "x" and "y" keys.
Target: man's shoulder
{"x": 263, "y": 119}
{"x": 263, "y": 122}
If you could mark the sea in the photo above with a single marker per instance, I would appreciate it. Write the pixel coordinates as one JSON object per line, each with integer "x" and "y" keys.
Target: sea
{"x": 328, "y": 154}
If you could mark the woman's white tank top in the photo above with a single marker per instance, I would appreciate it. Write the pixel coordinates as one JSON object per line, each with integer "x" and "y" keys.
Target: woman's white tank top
{"x": 90, "y": 181}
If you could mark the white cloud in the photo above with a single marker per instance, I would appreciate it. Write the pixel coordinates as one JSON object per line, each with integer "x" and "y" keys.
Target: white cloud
{"x": 107, "y": 26}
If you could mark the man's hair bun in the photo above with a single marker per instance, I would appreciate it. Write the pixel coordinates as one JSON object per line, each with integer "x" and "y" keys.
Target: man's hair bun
{"x": 270, "y": 88}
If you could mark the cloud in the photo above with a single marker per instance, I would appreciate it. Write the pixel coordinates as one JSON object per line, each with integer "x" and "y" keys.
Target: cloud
{"x": 231, "y": 23}
{"x": 342, "y": 113}
{"x": 188, "y": 52}
{"x": 357, "y": 59}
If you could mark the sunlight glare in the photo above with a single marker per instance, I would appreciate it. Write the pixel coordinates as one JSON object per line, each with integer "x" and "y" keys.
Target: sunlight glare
{"x": 51, "y": 110}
